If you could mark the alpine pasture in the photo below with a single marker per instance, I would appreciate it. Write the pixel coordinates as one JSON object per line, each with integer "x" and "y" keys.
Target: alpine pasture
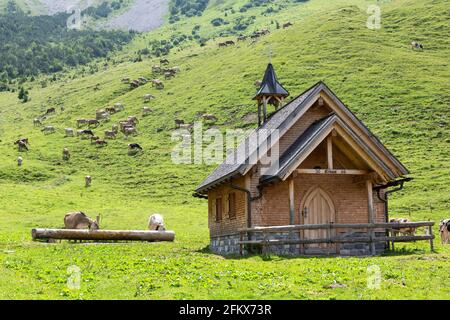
{"x": 401, "y": 94}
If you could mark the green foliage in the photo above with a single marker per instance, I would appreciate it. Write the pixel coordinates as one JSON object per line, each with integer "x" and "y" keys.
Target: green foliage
{"x": 187, "y": 8}
{"x": 43, "y": 44}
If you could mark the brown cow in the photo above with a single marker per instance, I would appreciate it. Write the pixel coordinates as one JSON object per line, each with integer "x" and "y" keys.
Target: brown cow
{"x": 79, "y": 220}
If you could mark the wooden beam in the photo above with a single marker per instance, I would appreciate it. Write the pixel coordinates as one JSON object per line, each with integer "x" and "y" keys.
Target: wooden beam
{"x": 335, "y": 171}
{"x": 330, "y": 152}
{"x": 291, "y": 202}
{"x": 84, "y": 234}
{"x": 371, "y": 213}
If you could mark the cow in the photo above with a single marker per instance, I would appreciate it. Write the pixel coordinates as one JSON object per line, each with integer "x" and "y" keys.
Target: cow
{"x": 178, "y": 122}
{"x": 156, "y": 69}
{"x": 168, "y": 75}
{"x": 264, "y": 31}
{"x": 287, "y": 25}
{"x": 134, "y": 146}
{"x": 37, "y": 122}
{"x": 444, "y": 230}
{"x": 79, "y": 220}
{"x": 50, "y": 110}
{"x": 94, "y": 139}
{"x": 230, "y": 43}
{"x": 148, "y": 97}
{"x": 125, "y": 80}
{"x": 156, "y": 222}
{"x": 142, "y": 80}
{"x": 133, "y": 120}
{"x": 115, "y": 128}
{"x": 399, "y": 230}
{"x": 81, "y": 122}
{"x": 100, "y": 143}
{"x": 69, "y": 132}
{"x": 222, "y": 44}
{"x": 23, "y": 140}
{"x": 110, "y": 134}
{"x": 48, "y": 129}
{"x": 19, "y": 161}
{"x": 163, "y": 61}
{"x": 93, "y": 122}
{"x": 416, "y": 45}
{"x": 111, "y": 110}
{"x": 129, "y": 131}
{"x": 87, "y": 181}
{"x": 66, "y": 154}
{"x": 158, "y": 84}
{"x": 146, "y": 111}
{"x": 242, "y": 38}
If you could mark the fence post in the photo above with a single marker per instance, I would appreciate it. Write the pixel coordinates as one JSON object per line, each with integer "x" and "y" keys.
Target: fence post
{"x": 430, "y": 229}
{"x": 241, "y": 238}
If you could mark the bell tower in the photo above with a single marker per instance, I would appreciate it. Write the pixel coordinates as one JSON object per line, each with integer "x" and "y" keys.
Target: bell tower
{"x": 270, "y": 92}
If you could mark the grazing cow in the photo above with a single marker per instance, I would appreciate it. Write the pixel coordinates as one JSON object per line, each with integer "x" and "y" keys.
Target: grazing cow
{"x": 79, "y": 220}
{"x": 146, "y": 111}
{"x": 156, "y": 69}
{"x": 168, "y": 75}
{"x": 156, "y": 222}
{"x": 148, "y": 97}
{"x": 87, "y": 181}
{"x": 209, "y": 117}
{"x": 158, "y": 84}
{"x": 125, "y": 80}
{"x": 230, "y": 43}
{"x": 287, "y": 25}
{"x": 264, "y": 31}
{"x": 85, "y": 133}
{"x": 142, "y": 80}
{"x": 134, "y": 84}
{"x": 24, "y": 140}
{"x": 133, "y": 120}
{"x": 111, "y": 110}
{"x": 134, "y": 146}
{"x": 93, "y": 122}
{"x": 222, "y": 44}
{"x": 178, "y": 122}
{"x": 163, "y": 61}
{"x": 19, "y": 161}
{"x": 255, "y": 35}
{"x": 48, "y": 129}
{"x": 242, "y": 38}
{"x": 130, "y": 131}
{"x": 50, "y": 110}
{"x": 110, "y": 134}
{"x": 66, "y": 154}
{"x": 444, "y": 230}
{"x": 399, "y": 230}
{"x": 37, "y": 122}
{"x": 100, "y": 143}
{"x": 81, "y": 122}
{"x": 115, "y": 128}
{"x": 416, "y": 45}
{"x": 69, "y": 132}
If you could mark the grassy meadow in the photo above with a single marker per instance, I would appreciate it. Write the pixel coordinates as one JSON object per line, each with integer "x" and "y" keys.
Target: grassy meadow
{"x": 401, "y": 95}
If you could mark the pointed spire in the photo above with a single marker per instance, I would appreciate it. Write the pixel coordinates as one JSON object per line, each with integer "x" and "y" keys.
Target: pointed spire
{"x": 270, "y": 87}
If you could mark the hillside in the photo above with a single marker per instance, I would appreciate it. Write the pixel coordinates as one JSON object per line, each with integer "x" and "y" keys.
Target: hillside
{"x": 401, "y": 95}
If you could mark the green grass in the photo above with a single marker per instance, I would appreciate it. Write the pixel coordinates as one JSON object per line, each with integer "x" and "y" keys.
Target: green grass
{"x": 401, "y": 95}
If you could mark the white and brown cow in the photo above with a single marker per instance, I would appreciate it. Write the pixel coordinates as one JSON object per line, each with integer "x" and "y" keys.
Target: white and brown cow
{"x": 444, "y": 230}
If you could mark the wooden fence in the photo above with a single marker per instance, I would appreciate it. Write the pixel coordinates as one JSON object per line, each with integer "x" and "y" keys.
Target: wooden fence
{"x": 390, "y": 229}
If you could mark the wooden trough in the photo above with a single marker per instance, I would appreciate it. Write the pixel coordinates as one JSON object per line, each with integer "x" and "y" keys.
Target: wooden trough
{"x": 113, "y": 235}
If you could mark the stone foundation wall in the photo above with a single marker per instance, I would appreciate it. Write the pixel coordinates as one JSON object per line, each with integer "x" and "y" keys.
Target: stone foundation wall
{"x": 229, "y": 244}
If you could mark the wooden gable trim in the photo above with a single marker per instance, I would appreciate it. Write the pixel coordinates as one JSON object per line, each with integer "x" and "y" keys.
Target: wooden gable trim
{"x": 355, "y": 143}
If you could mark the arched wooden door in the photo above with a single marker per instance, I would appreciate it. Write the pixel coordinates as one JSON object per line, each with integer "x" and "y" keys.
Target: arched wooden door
{"x": 318, "y": 208}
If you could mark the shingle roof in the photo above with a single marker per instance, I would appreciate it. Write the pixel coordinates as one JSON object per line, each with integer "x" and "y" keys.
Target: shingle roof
{"x": 229, "y": 168}
{"x": 270, "y": 84}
